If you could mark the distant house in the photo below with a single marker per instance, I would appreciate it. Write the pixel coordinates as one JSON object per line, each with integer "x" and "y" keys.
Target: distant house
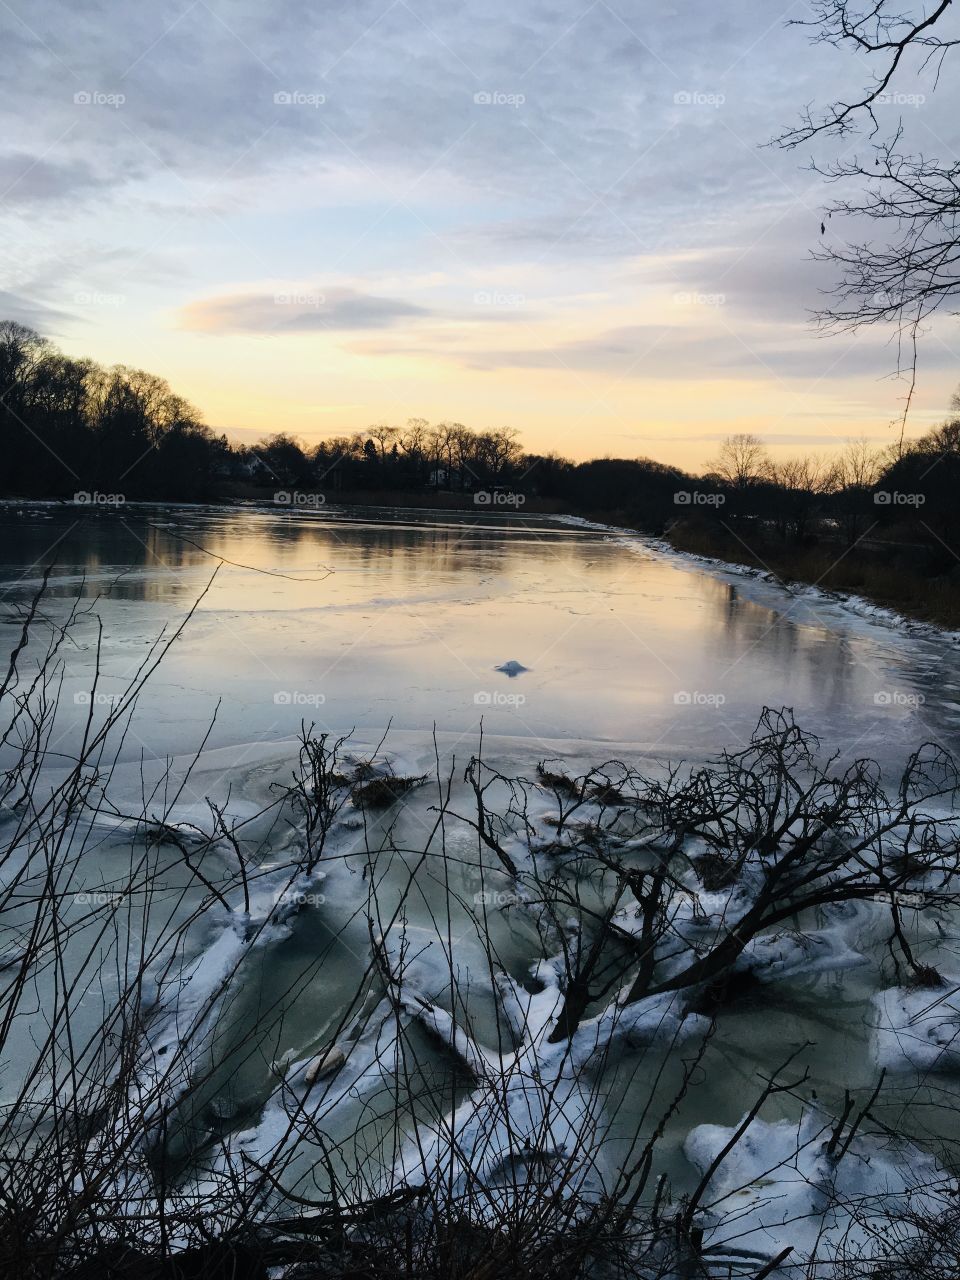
{"x": 450, "y": 478}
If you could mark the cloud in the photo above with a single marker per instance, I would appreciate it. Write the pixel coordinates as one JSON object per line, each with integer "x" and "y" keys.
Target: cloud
{"x": 724, "y": 352}
{"x": 484, "y": 143}
{"x": 298, "y": 311}
{"x": 545, "y": 108}
{"x": 771, "y": 439}
{"x": 36, "y": 315}
{"x": 727, "y": 350}
{"x": 27, "y": 179}
{"x": 588, "y": 123}
{"x": 347, "y": 309}
{"x": 770, "y": 277}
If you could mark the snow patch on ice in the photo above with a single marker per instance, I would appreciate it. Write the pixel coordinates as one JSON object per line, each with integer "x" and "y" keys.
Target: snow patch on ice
{"x": 790, "y": 953}
{"x": 780, "y": 1187}
{"x": 918, "y": 1029}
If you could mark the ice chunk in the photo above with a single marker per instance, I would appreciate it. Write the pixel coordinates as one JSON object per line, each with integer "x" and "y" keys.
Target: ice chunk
{"x": 780, "y": 1186}
{"x": 918, "y": 1029}
{"x": 512, "y": 668}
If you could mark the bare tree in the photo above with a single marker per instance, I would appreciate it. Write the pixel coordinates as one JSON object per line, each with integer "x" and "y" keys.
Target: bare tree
{"x": 858, "y": 465}
{"x": 742, "y": 460}
{"x": 911, "y": 266}
{"x": 803, "y": 482}
{"x": 385, "y": 438}
{"x": 413, "y": 438}
{"x": 853, "y": 473}
{"x": 876, "y": 30}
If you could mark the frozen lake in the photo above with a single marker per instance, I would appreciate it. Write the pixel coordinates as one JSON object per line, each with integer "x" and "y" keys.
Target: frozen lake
{"x": 364, "y": 622}
{"x": 358, "y": 619}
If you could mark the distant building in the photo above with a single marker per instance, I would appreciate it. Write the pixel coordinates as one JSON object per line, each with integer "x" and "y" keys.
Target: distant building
{"x": 450, "y": 478}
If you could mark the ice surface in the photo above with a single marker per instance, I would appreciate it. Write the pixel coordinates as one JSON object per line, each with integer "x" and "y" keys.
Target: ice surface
{"x": 918, "y": 1029}
{"x": 780, "y": 1187}
{"x": 623, "y": 639}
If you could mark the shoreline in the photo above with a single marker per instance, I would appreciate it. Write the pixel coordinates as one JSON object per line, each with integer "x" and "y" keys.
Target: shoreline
{"x": 859, "y": 605}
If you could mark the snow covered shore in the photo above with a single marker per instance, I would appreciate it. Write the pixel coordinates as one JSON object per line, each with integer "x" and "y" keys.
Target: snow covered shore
{"x": 745, "y": 575}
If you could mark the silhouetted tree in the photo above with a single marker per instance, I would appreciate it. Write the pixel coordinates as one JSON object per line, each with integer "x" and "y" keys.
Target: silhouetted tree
{"x": 910, "y": 266}
{"x": 742, "y": 460}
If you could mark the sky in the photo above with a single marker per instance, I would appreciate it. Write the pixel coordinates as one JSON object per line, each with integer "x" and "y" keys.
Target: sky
{"x": 558, "y": 217}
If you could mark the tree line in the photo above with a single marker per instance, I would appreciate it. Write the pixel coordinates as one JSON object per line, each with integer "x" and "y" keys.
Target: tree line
{"x": 71, "y": 425}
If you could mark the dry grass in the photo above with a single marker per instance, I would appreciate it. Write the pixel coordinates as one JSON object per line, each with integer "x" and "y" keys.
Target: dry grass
{"x": 381, "y": 793}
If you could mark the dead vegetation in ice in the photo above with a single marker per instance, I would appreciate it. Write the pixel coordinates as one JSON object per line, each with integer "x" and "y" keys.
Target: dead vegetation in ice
{"x": 389, "y": 1009}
